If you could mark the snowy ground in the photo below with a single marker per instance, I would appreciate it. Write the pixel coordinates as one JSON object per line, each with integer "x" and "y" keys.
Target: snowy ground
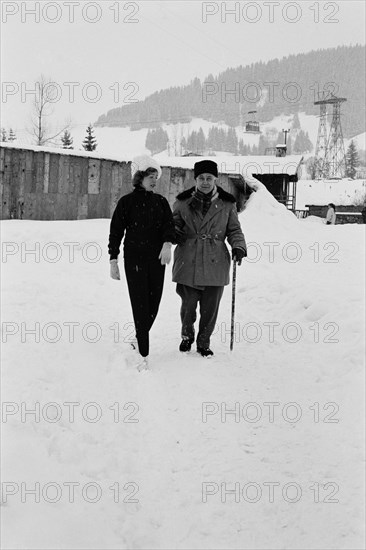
{"x": 160, "y": 441}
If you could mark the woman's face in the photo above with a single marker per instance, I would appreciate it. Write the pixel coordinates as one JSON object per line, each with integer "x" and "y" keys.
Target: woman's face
{"x": 149, "y": 181}
{"x": 205, "y": 183}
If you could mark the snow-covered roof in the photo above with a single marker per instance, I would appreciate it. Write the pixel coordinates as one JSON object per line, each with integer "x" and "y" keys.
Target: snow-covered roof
{"x": 227, "y": 164}
{"x": 236, "y": 165}
{"x": 69, "y": 152}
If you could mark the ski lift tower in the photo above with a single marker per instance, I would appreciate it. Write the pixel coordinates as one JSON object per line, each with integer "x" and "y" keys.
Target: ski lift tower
{"x": 330, "y": 153}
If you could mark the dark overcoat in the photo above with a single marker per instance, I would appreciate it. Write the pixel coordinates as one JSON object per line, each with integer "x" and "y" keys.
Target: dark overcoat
{"x": 202, "y": 258}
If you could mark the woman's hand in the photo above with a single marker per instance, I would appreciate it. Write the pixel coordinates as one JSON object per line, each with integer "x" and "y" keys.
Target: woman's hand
{"x": 165, "y": 254}
{"x": 114, "y": 270}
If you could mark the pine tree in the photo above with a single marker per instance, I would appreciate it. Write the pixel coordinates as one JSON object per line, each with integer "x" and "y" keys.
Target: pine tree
{"x": 162, "y": 140}
{"x": 241, "y": 147}
{"x": 201, "y": 141}
{"x": 308, "y": 144}
{"x": 232, "y": 141}
{"x": 302, "y": 143}
{"x": 192, "y": 142}
{"x": 149, "y": 141}
{"x": 263, "y": 144}
{"x": 3, "y": 135}
{"x": 90, "y": 142}
{"x": 296, "y": 122}
{"x": 352, "y": 160}
{"x": 298, "y": 143}
{"x": 212, "y": 138}
{"x": 311, "y": 166}
{"x": 67, "y": 140}
{"x": 183, "y": 146}
{"x": 12, "y": 136}
{"x": 221, "y": 139}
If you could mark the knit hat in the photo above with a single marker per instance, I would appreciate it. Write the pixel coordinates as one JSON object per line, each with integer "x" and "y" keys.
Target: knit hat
{"x": 142, "y": 163}
{"x": 205, "y": 167}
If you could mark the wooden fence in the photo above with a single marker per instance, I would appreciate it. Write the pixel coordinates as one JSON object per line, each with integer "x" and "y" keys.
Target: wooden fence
{"x": 41, "y": 185}
{"x": 344, "y": 213}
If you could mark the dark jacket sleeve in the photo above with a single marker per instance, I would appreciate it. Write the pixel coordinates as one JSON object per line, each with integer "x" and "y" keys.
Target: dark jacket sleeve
{"x": 168, "y": 224}
{"x": 117, "y": 229}
{"x": 234, "y": 232}
{"x": 179, "y": 224}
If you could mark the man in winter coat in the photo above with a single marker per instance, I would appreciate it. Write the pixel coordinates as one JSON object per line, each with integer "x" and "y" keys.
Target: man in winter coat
{"x": 204, "y": 216}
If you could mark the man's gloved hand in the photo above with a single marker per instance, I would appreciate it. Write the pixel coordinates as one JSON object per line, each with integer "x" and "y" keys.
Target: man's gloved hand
{"x": 165, "y": 254}
{"x": 114, "y": 270}
{"x": 238, "y": 254}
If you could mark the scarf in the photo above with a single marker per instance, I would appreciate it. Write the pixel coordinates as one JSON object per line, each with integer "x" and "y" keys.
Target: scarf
{"x": 202, "y": 201}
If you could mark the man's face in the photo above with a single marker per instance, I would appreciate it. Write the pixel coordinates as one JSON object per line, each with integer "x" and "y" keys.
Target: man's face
{"x": 205, "y": 183}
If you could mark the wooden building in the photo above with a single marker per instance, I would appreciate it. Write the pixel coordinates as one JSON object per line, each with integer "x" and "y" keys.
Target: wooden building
{"x": 39, "y": 183}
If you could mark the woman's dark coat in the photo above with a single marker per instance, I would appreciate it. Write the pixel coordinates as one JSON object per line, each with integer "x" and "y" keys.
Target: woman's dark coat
{"x": 146, "y": 221}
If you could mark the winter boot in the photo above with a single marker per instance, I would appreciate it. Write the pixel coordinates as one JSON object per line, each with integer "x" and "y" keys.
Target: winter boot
{"x": 186, "y": 344}
{"x": 205, "y": 352}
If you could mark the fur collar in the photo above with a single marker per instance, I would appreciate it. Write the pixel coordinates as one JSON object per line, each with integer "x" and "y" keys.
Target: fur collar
{"x": 223, "y": 195}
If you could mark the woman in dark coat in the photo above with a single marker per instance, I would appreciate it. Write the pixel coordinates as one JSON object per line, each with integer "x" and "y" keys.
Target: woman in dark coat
{"x": 145, "y": 220}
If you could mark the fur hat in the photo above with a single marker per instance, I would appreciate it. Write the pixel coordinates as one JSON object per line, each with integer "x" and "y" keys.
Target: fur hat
{"x": 142, "y": 163}
{"x": 205, "y": 167}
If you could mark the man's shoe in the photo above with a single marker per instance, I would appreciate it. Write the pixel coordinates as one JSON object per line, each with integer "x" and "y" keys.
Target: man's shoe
{"x": 186, "y": 344}
{"x": 205, "y": 352}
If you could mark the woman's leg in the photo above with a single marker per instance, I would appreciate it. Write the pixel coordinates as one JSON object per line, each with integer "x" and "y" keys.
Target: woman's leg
{"x": 137, "y": 275}
{"x": 156, "y": 273}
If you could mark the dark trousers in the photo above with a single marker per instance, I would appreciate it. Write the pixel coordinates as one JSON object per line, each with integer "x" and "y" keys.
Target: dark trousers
{"x": 209, "y": 300}
{"x": 145, "y": 280}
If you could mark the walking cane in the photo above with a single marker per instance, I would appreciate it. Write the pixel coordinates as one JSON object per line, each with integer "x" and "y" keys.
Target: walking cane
{"x": 233, "y": 306}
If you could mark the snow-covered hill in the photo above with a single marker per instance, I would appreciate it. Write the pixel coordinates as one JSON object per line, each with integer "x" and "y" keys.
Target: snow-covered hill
{"x": 117, "y": 141}
{"x": 142, "y": 460}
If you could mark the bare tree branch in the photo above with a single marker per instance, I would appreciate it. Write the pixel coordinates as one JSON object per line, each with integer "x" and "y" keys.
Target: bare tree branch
{"x": 42, "y": 109}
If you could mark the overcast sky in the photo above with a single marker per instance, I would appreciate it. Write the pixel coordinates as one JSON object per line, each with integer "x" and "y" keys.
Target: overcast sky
{"x": 135, "y": 48}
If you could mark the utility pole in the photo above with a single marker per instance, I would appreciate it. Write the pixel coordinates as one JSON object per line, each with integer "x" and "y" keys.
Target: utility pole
{"x": 285, "y": 133}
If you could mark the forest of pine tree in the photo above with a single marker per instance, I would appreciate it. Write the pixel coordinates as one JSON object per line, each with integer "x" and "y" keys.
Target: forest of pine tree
{"x": 8, "y": 137}
{"x": 156, "y": 140}
{"x": 263, "y": 86}
{"x": 219, "y": 139}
